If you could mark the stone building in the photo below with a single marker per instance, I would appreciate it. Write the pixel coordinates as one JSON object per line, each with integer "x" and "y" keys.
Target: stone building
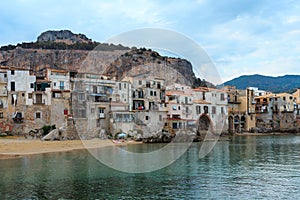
{"x": 94, "y": 98}
{"x": 148, "y": 103}
{"x": 210, "y": 108}
{"x": 241, "y": 109}
{"x": 276, "y": 112}
{"x": 4, "y": 126}
{"x": 23, "y": 109}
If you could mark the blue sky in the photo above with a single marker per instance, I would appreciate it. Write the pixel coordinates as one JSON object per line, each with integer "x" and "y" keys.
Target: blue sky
{"x": 240, "y": 36}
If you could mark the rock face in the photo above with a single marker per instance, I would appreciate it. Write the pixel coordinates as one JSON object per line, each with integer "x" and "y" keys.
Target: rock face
{"x": 108, "y": 59}
{"x": 143, "y": 61}
{"x": 36, "y": 59}
{"x": 65, "y": 36}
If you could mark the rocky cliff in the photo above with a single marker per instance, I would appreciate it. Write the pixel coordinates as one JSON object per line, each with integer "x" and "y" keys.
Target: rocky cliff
{"x": 36, "y": 59}
{"x": 51, "y": 50}
{"x": 146, "y": 61}
{"x": 65, "y": 36}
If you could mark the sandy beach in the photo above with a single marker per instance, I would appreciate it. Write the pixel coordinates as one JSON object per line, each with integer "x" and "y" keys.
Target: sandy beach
{"x": 15, "y": 147}
{"x": 12, "y": 147}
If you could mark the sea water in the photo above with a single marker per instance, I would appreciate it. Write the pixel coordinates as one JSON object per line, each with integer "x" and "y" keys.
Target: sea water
{"x": 247, "y": 167}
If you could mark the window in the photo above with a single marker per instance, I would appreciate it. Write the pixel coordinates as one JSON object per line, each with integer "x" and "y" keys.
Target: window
{"x": 222, "y": 97}
{"x": 38, "y": 98}
{"x": 147, "y": 84}
{"x": 61, "y": 85}
{"x": 178, "y": 107}
{"x": 54, "y": 84}
{"x": 291, "y": 97}
{"x": 213, "y": 110}
{"x": 222, "y": 110}
{"x": 198, "y": 110}
{"x": 174, "y": 125}
{"x": 1, "y": 115}
{"x": 205, "y": 109}
{"x": 81, "y": 113}
{"x": 38, "y": 115}
{"x": 124, "y": 85}
{"x": 154, "y": 93}
{"x": 140, "y": 94}
{"x": 186, "y": 100}
{"x": 120, "y": 86}
{"x": 101, "y": 112}
{"x": 81, "y": 96}
{"x": 147, "y": 117}
{"x": 140, "y": 82}
{"x": 151, "y": 93}
{"x": 31, "y": 85}
{"x": 12, "y": 72}
{"x": 12, "y": 86}
{"x": 283, "y": 98}
{"x": 160, "y": 117}
{"x": 158, "y": 85}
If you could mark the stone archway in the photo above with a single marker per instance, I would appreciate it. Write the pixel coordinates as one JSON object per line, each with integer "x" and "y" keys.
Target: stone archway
{"x": 237, "y": 123}
{"x": 243, "y": 123}
{"x": 230, "y": 124}
{"x": 204, "y": 124}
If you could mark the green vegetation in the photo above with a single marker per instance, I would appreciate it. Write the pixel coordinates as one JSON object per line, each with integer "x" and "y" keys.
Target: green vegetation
{"x": 64, "y": 46}
{"x": 47, "y": 128}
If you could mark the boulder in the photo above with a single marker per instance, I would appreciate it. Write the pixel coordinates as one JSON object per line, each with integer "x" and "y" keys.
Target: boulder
{"x": 53, "y": 135}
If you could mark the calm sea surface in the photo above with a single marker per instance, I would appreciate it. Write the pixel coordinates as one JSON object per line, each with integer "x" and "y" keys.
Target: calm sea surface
{"x": 256, "y": 167}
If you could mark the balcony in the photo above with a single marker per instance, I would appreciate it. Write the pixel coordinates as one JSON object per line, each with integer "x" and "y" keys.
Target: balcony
{"x": 39, "y": 102}
{"x": 99, "y": 97}
{"x": 231, "y": 101}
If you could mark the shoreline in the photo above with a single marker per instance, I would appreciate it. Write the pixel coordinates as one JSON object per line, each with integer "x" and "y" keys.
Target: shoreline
{"x": 265, "y": 134}
{"x": 11, "y": 148}
{"x": 17, "y": 147}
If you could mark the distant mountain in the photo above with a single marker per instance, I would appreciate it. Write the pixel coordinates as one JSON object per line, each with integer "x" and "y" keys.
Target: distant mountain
{"x": 287, "y": 83}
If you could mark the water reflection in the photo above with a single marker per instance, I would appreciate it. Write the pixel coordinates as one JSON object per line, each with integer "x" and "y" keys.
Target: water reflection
{"x": 244, "y": 168}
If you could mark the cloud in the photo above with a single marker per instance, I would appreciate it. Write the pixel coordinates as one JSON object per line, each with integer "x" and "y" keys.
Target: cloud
{"x": 241, "y": 37}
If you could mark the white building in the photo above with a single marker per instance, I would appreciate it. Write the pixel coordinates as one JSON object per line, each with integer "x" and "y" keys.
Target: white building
{"x": 20, "y": 81}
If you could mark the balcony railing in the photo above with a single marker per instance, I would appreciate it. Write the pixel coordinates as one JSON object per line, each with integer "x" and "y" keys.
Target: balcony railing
{"x": 39, "y": 102}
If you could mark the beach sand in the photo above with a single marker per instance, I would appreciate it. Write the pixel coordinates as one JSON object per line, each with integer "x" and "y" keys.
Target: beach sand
{"x": 16, "y": 147}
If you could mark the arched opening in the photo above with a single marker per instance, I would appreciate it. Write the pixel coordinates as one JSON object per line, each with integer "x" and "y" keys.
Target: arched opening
{"x": 237, "y": 123}
{"x": 203, "y": 125}
{"x": 230, "y": 124}
{"x": 243, "y": 122}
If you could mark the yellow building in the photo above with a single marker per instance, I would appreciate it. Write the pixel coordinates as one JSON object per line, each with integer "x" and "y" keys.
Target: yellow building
{"x": 241, "y": 109}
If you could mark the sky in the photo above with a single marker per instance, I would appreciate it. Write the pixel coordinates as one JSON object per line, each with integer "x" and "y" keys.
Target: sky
{"x": 241, "y": 37}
